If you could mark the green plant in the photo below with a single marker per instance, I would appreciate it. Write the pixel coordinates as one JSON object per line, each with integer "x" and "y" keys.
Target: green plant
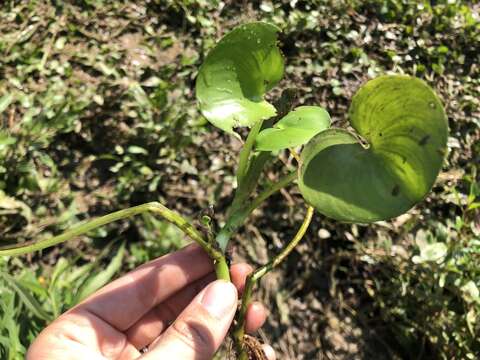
{"x": 34, "y": 298}
{"x": 436, "y": 310}
{"x": 378, "y": 172}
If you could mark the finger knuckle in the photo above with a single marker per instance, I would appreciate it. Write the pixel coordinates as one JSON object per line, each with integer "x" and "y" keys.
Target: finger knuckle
{"x": 195, "y": 335}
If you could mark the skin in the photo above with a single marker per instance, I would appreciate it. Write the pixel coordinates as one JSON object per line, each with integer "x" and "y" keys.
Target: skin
{"x": 172, "y": 305}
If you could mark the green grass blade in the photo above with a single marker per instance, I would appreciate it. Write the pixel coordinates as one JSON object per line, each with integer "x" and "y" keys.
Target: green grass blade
{"x": 96, "y": 281}
{"x": 27, "y": 299}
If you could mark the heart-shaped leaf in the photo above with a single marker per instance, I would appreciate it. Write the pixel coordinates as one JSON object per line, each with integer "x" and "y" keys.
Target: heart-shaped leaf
{"x": 236, "y": 74}
{"x": 405, "y": 126}
{"x": 294, "y": 129}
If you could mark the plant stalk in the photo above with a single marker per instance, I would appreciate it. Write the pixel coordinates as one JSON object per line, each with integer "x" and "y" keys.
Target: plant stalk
{"x": 253, "y": 278}
{"x": 221, "y": 267}
{"x": 249, "y": 181}
{"x": 246, "y": 150}
{"x": 238, "y": 216}
{"x": 284, "y": 181}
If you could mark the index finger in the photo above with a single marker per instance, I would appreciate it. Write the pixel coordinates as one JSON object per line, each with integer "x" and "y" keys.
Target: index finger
{"x": 124, "y": 301}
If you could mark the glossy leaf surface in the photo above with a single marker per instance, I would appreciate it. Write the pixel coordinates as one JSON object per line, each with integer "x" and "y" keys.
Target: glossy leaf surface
{"x": 236, "y": 74}
{"x": 405, "y": 126}
{"x": 294, "y": 129}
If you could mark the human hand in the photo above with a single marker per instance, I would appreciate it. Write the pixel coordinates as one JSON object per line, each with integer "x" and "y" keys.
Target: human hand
{"x": 172, "y": 304}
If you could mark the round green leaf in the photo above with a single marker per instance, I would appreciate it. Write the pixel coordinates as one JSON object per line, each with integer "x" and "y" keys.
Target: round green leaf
{"x": 294, "y": 129}
{"x": 405, "y": 127}
{"x": 232, "y": 81}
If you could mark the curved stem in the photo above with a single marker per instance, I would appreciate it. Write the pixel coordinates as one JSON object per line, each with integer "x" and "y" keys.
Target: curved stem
{"x": 284, "y": 181}
{"x": 238, "y": 216}
{"x": 259, "y": 273}
{"x": 239, "y": 331}
{"x": 154, "y": 207}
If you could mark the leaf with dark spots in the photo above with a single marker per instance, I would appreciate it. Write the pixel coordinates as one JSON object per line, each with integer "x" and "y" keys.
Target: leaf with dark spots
{"x": 396, "y": 190}
{"x": 424, "y": 140}
{"x": 355, "y": 182}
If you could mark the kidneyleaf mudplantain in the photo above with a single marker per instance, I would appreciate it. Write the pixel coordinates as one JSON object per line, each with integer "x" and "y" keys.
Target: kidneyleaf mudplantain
{"x": 237, "y": 73}
{"x": 405, "y": 127}
{"x": 294, "y": 129}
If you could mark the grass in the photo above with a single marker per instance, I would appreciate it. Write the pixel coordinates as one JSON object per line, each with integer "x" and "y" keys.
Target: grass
{"x": 97, "y": 113}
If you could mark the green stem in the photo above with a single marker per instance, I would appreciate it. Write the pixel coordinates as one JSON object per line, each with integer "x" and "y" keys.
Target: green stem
{"x": 284, "y": 181}
{"x": 238, "y": 216}
{"x": 239, "y": 331}
{"x": 249, "y": 181}
{"x": 153, "y": 207}
{"x": 246, "y": 150}
{"x": 221, "y": 269}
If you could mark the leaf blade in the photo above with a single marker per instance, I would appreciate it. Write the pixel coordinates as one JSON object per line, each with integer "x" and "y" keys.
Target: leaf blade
{"x": 405, "y": 125}
{"x": 236, "y": 74}
{"x": 28, "y": 300}
{"x": 294, "y": 129}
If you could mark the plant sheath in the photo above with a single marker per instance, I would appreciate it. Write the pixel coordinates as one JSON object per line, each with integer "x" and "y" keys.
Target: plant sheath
{"x": 243, "y": 162}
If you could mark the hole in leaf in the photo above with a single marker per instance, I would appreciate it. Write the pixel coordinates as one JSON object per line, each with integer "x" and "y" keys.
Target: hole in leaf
{"x": 423, "y": 141}
{"x": 396, "y": 190}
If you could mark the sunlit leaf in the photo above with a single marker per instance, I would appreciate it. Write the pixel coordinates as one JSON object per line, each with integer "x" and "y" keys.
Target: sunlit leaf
{"x": 435, "y": 252}
{"x": 5, "y": 101}
{"x": 10, "y": 205}
{"x": 471, "y": 292}
{"x": 294, "y": 129}
{"x": 133, "y": 149}
{"x": 405, "y": 127}
{"x": 236, "y": 74}
{"x": 6, "y": 140}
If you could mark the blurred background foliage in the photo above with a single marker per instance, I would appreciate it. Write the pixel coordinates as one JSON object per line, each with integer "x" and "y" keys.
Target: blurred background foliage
{"x": 97, "y": 113}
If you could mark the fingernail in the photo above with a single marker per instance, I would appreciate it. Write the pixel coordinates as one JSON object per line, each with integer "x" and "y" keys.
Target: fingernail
{"x": 269, "y": 352}
{"x": 219, "y": 298}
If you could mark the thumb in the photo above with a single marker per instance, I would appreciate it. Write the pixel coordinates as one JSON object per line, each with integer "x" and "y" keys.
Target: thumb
{"x": 200, "y": 329}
